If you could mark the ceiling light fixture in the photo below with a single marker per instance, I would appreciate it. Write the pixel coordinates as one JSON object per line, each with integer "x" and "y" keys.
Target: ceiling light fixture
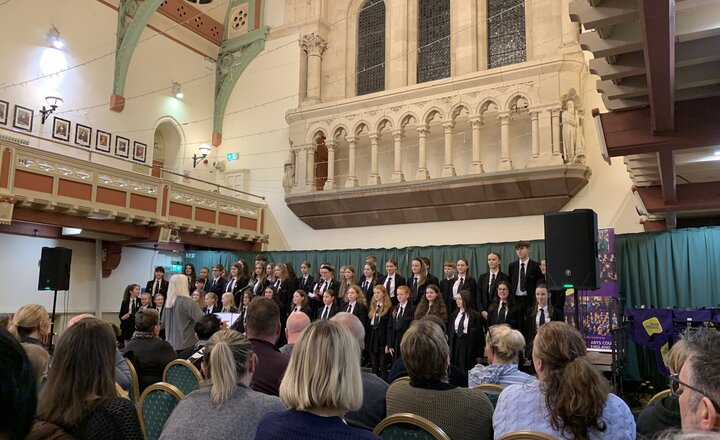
{"x": 54, "y": 38}
{"x": 54, "y": 102}
{"x": 204, "y": 151}
{"x": 177, "y": 90}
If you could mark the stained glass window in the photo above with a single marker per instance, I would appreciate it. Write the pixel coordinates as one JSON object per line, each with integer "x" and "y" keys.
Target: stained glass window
{"x": 506, "y": 32}
{"x": 371, "y": 47}
{"x": 433, "y": 40}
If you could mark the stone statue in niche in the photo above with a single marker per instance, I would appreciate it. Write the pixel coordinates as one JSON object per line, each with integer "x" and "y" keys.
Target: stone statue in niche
{"x": 572, "y": 134}
{"x": 289, "y": 177}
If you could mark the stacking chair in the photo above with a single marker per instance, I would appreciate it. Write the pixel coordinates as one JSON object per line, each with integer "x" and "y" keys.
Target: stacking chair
{"x": 135, "y": 392}
{"x": 183, "y": 375}
{"x": 156, "y": 404}
{"x": 406, "y": 426}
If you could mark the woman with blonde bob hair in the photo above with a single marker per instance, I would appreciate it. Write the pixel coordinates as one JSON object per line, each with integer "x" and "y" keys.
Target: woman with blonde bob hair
{"x": 502, "y": 348}
{"x": 321, "y": 384}
{"x": 229, "y": 364}
{"x": 571, "y": 399}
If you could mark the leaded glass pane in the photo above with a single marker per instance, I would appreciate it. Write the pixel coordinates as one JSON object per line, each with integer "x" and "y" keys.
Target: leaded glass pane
{"x": 371, "y": 47}
{"x": 506, "y": 32}
{"x": 433, "y": 40}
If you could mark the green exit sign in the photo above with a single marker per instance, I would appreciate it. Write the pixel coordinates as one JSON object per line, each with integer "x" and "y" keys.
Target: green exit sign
{"x": 232, "y": 156}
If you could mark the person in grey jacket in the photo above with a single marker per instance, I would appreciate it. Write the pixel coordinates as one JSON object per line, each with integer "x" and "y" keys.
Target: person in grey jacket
{"x": 212, "y": 410}
{"x": 180, "y": 315}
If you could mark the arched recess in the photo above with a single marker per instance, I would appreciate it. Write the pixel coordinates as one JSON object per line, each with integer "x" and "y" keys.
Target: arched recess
{"x": 168, "y": 146}
{"x": 321, "y": 160}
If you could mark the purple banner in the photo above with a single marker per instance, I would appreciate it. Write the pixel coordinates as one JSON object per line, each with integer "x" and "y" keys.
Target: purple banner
{"x": 598, "y": 309}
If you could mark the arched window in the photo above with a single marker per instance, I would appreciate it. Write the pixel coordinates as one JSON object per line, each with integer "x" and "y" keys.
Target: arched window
{"x": 371, "y": 47}
{"x": 506, "y": 32}
{"x": 433, "y": 40}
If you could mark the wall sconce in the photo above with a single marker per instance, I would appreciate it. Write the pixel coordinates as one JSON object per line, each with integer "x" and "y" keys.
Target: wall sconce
{"x": 54, "y": 38}
{"x": 54, "y": 102}
{"x": 177, "y": 90}
{"x": 204, "y": 151}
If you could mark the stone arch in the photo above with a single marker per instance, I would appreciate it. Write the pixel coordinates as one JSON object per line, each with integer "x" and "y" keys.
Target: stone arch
{"x": 170, "y": 154}
{"x": 433, "y": 113}
{"x": 358, "y": 128}
{"x": 518, "y": 101}
{"x": 488, "y": 105}
{"x": 383, "y": 123}
{"x": 408, "y": 118}
{"x": 338, "y": 130}
{"x": 316, "y": 133}
{"x": 458, "y": 108}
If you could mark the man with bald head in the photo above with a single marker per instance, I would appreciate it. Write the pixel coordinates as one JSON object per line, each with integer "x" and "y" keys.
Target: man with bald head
{"x": 372, "y": 410}
{"x": 296, "y": 323}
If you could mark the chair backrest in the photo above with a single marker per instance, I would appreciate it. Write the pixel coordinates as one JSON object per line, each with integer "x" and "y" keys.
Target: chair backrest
{"x": 491, "y": 390}
{"x": 658, "y": 396}
{"x": 408, "y": 426}
{"x": 183, "y": 375}
{"x": 156, "y": 404}
{"x": 135, "y": 394}
{"x": 527, "y": 435}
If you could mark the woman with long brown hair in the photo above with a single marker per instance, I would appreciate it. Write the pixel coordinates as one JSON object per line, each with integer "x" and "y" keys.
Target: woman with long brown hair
{"x": 129, "y": 306}
{"x": 571, "y": 399}
{"x": 379, "y": 314}
{"x": 432, "y": 304}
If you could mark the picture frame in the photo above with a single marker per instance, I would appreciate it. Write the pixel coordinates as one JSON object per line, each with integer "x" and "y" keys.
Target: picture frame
{"x": 4, "y": 107}
{"x": 139, "y": 151}
{"x": 122, "y": 146}
{"x": 102, "y": 141}
{"x": 83, "y": 135}
{"x": 23, "y": 118}
{"x": 61, "y": 129}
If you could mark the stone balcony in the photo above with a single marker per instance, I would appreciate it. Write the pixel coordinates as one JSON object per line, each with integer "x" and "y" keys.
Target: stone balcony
{"x": 486, "y": 144}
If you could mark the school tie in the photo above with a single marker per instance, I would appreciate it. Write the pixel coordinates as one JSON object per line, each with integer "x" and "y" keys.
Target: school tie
{"x": 156, "y": 287}
{"x": 400, "y": 313}
{"x": 522, "y": 277}
{"x": 324, "y": 287}
{"x": 501, "y": 314}
{"x": 415, "y": 289}
{"x": 326, "y": 312}
{"x": 542, "y": 316}
{"x": 387, "y": 283}
{"x": 461, "y": 324}
{"x": 492, "y": 283}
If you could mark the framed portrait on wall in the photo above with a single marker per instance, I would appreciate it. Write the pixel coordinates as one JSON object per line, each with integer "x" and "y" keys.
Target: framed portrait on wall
{"x": 102, "y": 141}
{"x": 122, "y": 146}
{"x": 83, "y": 135}
{"x": 61, "y": 129}
{"x": 139, "y": 151}
{"x": 23, "y": 118}
{"x": 4, "y": 106}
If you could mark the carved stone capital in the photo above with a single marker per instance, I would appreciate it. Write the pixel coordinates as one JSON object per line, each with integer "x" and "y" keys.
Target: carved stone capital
{"x": 448, "y": 126}
{"x": 313, "y": 44}
{"x": 476, "y": 122}
{"x": 397, "y": 134}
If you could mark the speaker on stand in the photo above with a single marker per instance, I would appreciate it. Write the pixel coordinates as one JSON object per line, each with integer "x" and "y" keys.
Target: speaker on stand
{"x": 54, "y": 276}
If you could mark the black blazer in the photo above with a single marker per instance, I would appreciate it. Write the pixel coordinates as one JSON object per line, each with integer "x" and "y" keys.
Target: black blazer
{"x": 333, "y": 311}
{"x": 217, "y": 308}
{"x": 239, "y": 324}
{"x": 399, "y": 281}
{"x": 446, "y": 291}
{"x": 398, "y": 327}
{"x": 368, "y": 289}
{"x": 305, "y": 285}
{"x": 127, "y": 326}
{"x": 415, "y": 299}
{"x": 162, "y": 290}
{"x": 377, "y": 337}
{"x": 532, "y": 275}
{"x": 260, "y": 288}
{"x": 465, "y": 349}
{"x": 485, "y": 293}
{"x": 512, "y": 317}
{"x": 285, "y": 293}
{"x": 432, "y": 279}
{"x": 530, "y": 327}
{"x": 241, "y": 283}
{"x": 217, "y": 288}
{"x": 360, "y": 310}
{"x": 470, "y": 285}
{"x": 334, "y": 285}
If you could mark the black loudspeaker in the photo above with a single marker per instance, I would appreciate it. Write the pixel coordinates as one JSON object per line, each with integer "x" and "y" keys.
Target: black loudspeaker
{"x": 55, "y": 269}
{"x": 571, "y": 249}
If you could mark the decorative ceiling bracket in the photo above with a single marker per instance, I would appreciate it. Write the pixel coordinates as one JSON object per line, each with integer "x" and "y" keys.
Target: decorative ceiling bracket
{"x": 133, "y": 16}
{"x": 244, "y": 39}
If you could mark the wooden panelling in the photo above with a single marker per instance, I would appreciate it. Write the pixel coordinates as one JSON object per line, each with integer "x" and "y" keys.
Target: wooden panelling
{"x": 229, "y": 220}
{"x": 180, "y": 210}
{"x": 143, "y": 203}
{"x": 110, "y": 196}
{"x": 5, "y": 168}
{"x": 33, "y": 181}
{"x": 75, "y": 190}
{"x": 248, "y": 223}
{"x": 204, "y": 215}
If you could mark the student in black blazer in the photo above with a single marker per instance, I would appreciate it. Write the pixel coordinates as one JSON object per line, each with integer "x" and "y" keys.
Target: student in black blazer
{"x": 324, "y": 283}
{"x": 466, "y": 281}
{"x": 400, "y": 319}
{"x": 306, "y": 280}
{"x": 329, "y": 308}
{"x": 523, "y": 288}
{"x": 379, "y": 316}
{"x": 392, "y": 280}
{"x": 128, "y": 308}
{"x": 488, "y": 282}
{"x": 284, "y": 286}
{"x": 237, "y": 280}
{"x": 158, "y": 284}
{"x": 212, "y": 305}
{"x": 370, "y": 281}
{"x": 417, "y": 281}
{"x": 464, "y": 334}
{"x": 260, "y": 282}
{"x": 354, "y": 306}
{"x": 300, "y": 304}
{"x": 541, "y": 313}
{"x": 502, "y": 310}
{"x": 431, "y": 279}
{"x": 216, "y": 283}
{"x": 379, "y": 275}
{"x": 447, "y": 284}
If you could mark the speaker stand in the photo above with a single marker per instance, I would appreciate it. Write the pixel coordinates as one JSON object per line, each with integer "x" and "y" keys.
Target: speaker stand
{"x": 52, "y": 323}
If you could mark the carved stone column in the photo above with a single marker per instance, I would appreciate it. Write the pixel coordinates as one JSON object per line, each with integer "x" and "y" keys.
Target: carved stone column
{"x": 351, "y": 181}
{"x": 449, "y": 168}
{"x": 535, "y": 129}
{"x": 476, "y": 166}
{"x": 397, "y": 175}
{"x": 555, "y": 115}
{"x": 422, "y": 172}
{"x": 310, "y": 166}
{"x": 505, "y": 162}
{"x": 314, "y": 45}
{"x": 374, "y": 175}
{"x": 330, "y": 182}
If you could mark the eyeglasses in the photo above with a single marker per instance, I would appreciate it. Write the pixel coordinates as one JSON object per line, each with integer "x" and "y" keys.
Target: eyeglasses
{"x": 677, "y": 391}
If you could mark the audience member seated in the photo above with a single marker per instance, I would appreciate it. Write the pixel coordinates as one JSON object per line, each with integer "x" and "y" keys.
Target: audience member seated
{"x": 5, "y": 320}
{"x": 209, "y": 412}
{"x": 211, "y": 304}
{"x": 31, "y": 325}
{"x": 456, "y": 376}
{"x": 148, "y": 353}
{"x": 40, "y": 360}
{"x": 571, "y": 399}
{"x": 180, "y": 315}
{"x": 18, "y": 394}
{"x": 204, "y": 329}
{"x": 79, "y": 396}
{"x": 263, "y": 329}
{"x": 322, "y": 384}
{"x": 372, "y": 410}
{"x": 664, "y": 413}
{"x": 296, "y": 323}
{"x": 698, "y": 384}
{"x": 502, "y": 349}
{"x": 461, "y": 412}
